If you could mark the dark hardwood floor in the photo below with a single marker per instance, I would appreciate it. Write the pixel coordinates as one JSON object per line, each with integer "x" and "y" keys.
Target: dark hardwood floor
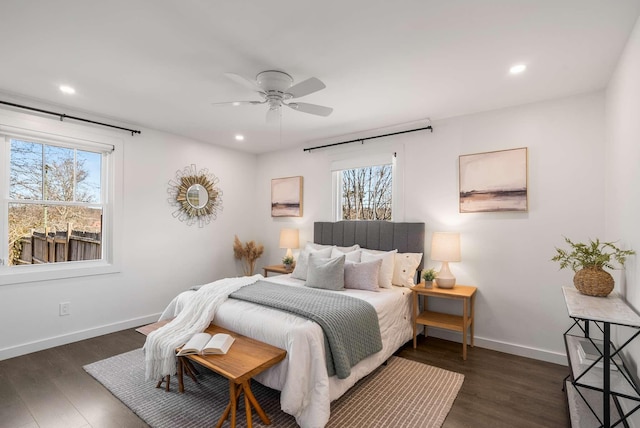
{"x": 50, "y": 388}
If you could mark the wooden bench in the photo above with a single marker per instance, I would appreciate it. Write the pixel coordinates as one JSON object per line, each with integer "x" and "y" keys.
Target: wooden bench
{"x": 246, "y": 358}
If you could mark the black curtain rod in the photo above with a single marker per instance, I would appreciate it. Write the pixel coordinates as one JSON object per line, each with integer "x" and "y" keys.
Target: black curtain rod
{"x": 362, "y": 140}
{"x": 63, "y": 116}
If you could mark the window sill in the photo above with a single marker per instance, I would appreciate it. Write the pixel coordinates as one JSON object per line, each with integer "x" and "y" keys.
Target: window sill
{"x": 53, "y": 271}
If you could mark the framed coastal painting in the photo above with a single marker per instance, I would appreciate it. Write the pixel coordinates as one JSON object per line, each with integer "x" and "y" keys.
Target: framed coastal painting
{"x": 494, "y": 181}
{"x": 286, "y": 197}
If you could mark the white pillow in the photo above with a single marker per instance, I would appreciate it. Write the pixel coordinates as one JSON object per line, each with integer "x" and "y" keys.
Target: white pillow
{"x": 315, "y": 246}
{"x": 325, "y": 273}
{"x": 352, "y": 256}
{"x": 302, "y": 264}
{"x": 385, "y": 275}
{"x": 362, "y": 276}
{"x": 321, "y": 246}
{"x": 404, "y": 269}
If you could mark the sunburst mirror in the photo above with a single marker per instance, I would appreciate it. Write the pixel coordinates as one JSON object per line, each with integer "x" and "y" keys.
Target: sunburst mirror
{"x": 196, "y": 196}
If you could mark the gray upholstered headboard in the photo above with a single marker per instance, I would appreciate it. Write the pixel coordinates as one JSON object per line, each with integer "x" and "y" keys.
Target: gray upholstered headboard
{"x": 375, "y": 235}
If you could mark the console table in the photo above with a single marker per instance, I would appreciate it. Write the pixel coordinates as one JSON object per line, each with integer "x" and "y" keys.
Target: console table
{"x": 594, "y": 387}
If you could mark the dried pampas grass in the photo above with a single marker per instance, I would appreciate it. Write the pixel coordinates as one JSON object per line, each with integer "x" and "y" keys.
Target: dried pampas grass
{"x": 247, "y": 253}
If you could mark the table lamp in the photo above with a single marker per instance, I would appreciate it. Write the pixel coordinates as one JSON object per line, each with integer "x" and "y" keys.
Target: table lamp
{"x": 445, "y": 248}
{"x": 289, "y": 238}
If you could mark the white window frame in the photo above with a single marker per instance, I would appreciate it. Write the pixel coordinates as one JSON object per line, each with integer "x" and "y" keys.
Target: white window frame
{"x": 47, "y": 131}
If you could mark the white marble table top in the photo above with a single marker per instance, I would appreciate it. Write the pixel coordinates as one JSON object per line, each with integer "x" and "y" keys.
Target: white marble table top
{"x": 611, "y": 309}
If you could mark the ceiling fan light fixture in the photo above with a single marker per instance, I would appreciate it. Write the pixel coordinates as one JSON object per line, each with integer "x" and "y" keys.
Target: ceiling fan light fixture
{"x": 276, "y": 88}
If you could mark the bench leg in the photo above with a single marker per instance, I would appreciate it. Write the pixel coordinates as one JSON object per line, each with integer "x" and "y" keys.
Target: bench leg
{"x": 167, "y": 379}
{"x": 234, "y": 394}
{"x": 246, "y": 386}
{"x": 249, "y": 401}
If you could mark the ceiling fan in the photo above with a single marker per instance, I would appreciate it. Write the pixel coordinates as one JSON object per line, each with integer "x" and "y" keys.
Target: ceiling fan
{"x": 277, "y": 89}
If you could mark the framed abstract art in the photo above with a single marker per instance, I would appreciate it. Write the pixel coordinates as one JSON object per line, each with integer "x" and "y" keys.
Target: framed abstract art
{"x": 494, "y": 181}
{"x": 286, "y": 197}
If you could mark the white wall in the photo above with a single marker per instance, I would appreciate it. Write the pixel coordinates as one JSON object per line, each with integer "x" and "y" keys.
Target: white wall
{"x": 519, "y": 308}
{"x": 161, "y": 255}
{"x": 623, "y": 176}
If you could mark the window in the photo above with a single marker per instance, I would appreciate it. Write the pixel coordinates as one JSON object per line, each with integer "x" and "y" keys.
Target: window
{"x": 365, "y": 193}
{"x": 55, "y": 204}
{"x": 366, "y": 185}
{"x": 57, "y": 211}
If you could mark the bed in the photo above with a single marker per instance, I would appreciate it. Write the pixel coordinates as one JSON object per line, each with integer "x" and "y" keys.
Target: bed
{"x": 306, "y": 388}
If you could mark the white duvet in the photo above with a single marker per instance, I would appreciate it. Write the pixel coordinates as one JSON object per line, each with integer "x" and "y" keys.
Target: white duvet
{"x": 306, "y": 389}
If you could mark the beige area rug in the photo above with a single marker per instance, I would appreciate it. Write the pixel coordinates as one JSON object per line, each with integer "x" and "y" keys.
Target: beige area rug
{"x": 403, "y": 393}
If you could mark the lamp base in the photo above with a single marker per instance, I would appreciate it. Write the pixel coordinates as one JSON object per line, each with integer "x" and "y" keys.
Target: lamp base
{"x": 445, "y": 283}
{"x": 445, "y": 278}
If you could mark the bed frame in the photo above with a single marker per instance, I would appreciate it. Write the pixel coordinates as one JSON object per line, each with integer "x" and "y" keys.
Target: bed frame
{"x": 375, "y": 235}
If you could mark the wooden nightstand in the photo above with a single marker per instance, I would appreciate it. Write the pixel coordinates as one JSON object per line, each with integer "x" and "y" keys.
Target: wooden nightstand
{"x": 466, "y": 293}
{"x": 275, "y": 269}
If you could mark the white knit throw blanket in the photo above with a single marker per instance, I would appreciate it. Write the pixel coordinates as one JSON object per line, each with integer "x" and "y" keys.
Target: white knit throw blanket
{"x": 161, "y": 344}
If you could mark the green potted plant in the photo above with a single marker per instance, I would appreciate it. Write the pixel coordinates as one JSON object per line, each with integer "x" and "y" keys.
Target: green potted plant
{"x": 588, "y": 262}
{"x": 428, "y": 276}
{"x": 287, "y": 261}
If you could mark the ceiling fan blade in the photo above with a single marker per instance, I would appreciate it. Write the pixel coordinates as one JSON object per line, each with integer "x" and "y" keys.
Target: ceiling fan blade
{"x": 273, "y": 116}
{"x": 306, "y": 87}
{"x": 239, "y": 103}
{"x": 249, "y": 84}
{"x": 311, "y": 108}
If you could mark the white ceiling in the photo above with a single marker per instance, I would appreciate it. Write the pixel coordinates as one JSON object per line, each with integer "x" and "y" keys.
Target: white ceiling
{"x": 161, "y": 63}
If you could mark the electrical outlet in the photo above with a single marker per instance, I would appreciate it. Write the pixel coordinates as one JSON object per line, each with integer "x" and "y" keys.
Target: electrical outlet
{"x": 65, "y": 308}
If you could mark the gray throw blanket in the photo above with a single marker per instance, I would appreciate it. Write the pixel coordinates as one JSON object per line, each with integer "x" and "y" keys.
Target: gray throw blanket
{"x": 350, "y": 325}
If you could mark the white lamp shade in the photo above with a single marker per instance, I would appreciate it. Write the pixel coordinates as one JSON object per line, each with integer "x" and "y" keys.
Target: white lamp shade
{"x": 445, "y": 247}
{"x": 289, "y": 238}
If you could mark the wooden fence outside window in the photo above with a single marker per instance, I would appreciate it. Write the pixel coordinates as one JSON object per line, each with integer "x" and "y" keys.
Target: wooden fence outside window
{"x": 60, "y": 246}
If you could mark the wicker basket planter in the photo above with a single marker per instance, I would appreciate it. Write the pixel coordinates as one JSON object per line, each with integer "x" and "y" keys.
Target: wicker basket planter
{"x": 588, "y": 261}
{"x": 593, "y": 281}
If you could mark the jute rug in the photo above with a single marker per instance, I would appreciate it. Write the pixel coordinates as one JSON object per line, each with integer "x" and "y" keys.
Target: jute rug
{"x": 403, "y": 393}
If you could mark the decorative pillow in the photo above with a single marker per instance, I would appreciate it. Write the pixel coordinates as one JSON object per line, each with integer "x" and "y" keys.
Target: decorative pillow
{"x": 351, "y": 256}
{"x": 325, "y": 273}
{"x": 315, "y": 246}
{"x": 302, "y": 263}
{"x": 385, "y": 275}
{"x": 321, "y": 246}
{"x": 362, "y": 276}
{"x": 404, "y": 269}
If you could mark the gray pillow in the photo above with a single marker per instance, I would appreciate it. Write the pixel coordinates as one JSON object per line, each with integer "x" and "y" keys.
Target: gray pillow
{"x": 325, "y": 273}
{"x": 300, "y": 270}
{"x": 362, "y": 276}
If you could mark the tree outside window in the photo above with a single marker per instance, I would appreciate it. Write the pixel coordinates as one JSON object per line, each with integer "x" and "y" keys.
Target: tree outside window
{"x": 53, "y": 191}
{"x": 367, "y": 193}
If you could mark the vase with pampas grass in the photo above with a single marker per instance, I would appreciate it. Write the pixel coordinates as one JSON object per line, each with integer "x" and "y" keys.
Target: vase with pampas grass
{"x": 248, "y": 253}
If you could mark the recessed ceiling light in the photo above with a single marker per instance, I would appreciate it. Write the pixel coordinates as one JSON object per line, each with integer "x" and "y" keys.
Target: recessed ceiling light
{"x": 239, "y": 137}
{"x": 517, "y": 69}
{"x": 67, "y": 89}
{"x": 236, "y": 103}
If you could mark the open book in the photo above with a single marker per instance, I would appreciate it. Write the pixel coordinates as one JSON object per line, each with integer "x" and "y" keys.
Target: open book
{"x": 204, "y": 344}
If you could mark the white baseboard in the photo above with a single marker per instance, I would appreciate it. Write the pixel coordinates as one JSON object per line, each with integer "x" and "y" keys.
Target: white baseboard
{"x": 509, "y": 348}
{"x": 50, "y": 342}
